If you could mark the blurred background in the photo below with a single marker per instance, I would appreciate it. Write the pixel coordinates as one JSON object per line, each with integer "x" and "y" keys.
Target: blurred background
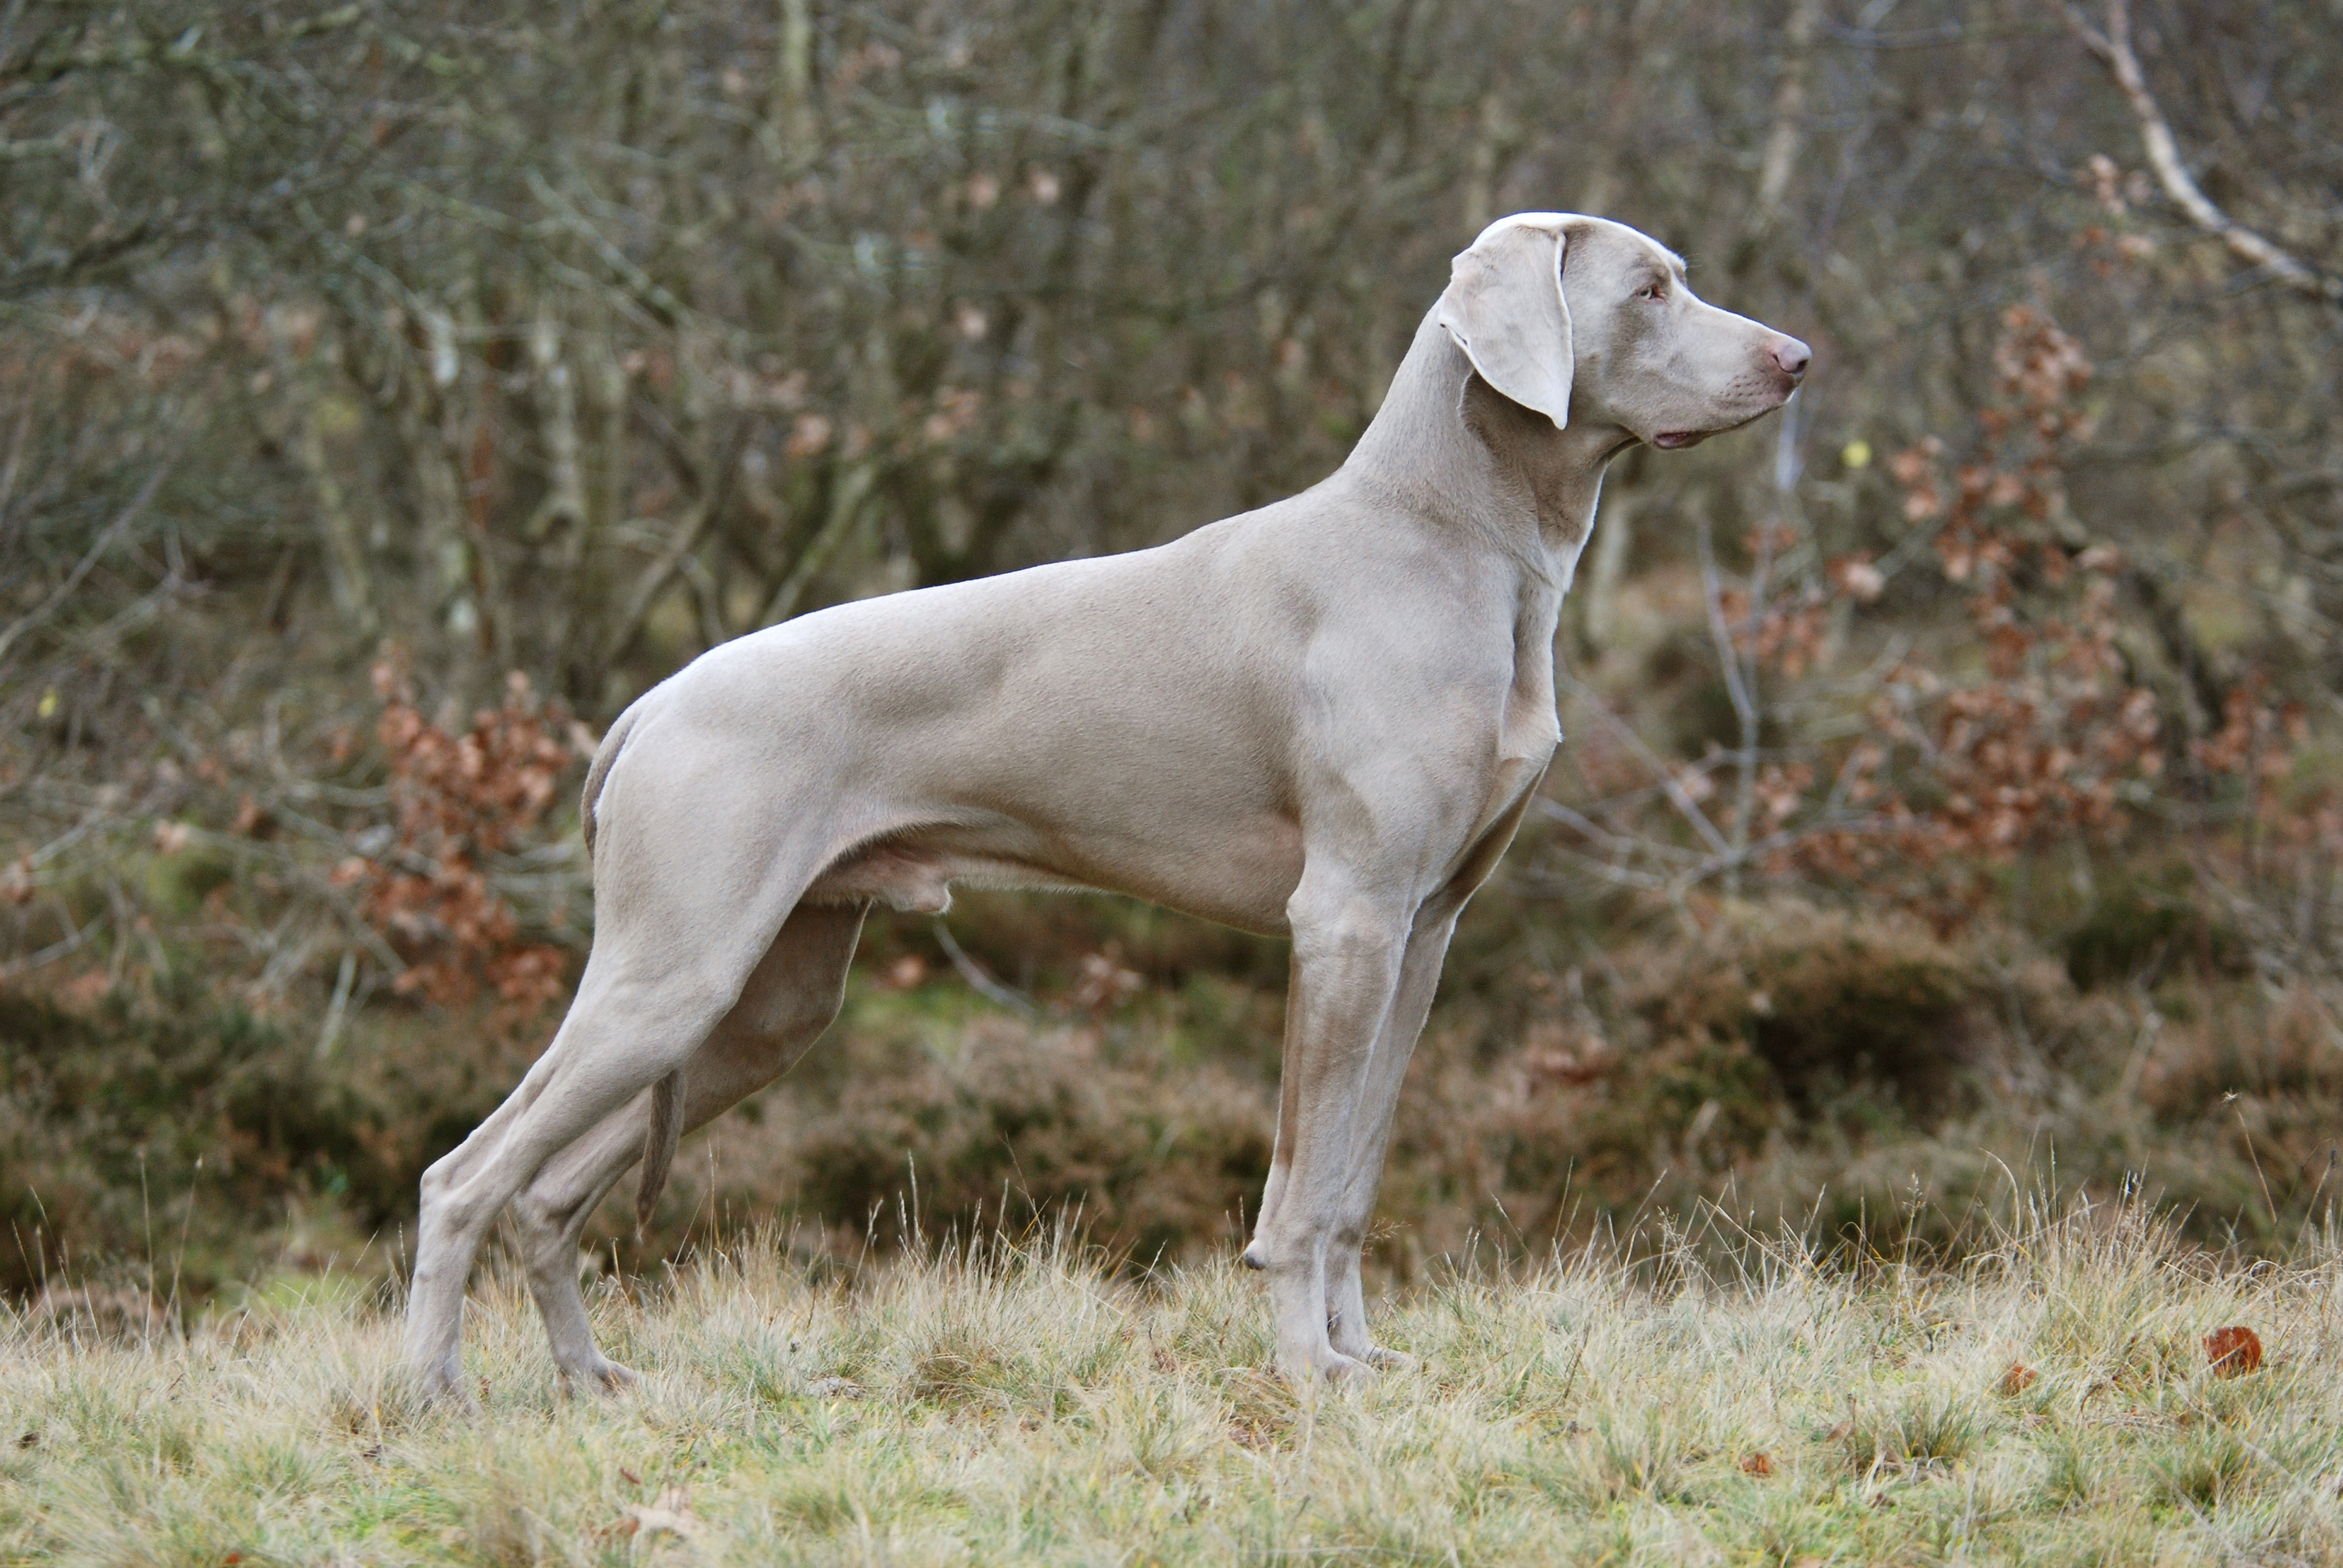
{"x": 389, "y": 392}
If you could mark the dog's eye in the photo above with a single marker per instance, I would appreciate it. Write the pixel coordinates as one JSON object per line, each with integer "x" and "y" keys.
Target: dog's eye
{"x": 1652, "y": 291}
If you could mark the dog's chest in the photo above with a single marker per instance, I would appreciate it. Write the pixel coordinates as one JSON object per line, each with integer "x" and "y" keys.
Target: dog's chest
{"x": 1531, "y": 728}
{"x": 1528, "y": 730}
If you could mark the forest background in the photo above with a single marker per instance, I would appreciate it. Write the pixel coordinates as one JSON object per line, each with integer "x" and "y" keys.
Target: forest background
{"x": 391, "y": 391}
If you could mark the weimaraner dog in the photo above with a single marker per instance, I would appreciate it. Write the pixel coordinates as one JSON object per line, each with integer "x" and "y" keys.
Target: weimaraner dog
{"x": 1323, "y": 720}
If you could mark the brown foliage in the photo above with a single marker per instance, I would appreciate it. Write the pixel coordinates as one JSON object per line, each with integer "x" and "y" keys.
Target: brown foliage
{"x": 459, "y": 800}
{"x": 2056, "y": 733}
{"x": 2046, "y": 741}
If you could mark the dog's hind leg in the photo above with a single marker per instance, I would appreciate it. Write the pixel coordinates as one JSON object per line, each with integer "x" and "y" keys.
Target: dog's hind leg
{"x": 620, "y": 1037}
{"x": 790, "y": 998}
{"x": 687, "y": 917}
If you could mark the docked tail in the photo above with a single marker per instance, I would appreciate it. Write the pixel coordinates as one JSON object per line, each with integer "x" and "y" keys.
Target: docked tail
{"x": 599, "y": 770}
{"x": 658, "y": 1144}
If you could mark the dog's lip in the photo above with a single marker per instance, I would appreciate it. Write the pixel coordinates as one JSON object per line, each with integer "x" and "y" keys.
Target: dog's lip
{"x": 1669, "y": 440}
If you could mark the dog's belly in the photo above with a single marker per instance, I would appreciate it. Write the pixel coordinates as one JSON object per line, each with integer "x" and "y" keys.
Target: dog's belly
{"x": 1241, "y": 878}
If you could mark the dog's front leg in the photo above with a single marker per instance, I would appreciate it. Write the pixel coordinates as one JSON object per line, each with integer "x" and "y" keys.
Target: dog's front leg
{"x": 1348, "y": 946}
{"x": 1427, "y": 950}
{"x": 1419, "y": 978}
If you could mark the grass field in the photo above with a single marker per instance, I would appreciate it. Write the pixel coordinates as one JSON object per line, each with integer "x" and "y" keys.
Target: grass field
{"x": 1677, "y": 1405}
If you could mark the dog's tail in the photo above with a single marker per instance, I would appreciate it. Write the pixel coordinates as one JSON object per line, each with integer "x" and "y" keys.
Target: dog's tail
{"x": 659, "y": 1145}
{"x": 667, "y": 1094}
{"x": 599, "y": 770}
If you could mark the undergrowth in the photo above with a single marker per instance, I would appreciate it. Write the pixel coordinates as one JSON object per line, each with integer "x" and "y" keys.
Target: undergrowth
{"x": 1851, "y": 1073}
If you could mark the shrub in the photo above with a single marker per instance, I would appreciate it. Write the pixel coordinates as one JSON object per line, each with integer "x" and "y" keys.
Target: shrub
{"x": 1825, "y": 998}
{"x": 1026, "y": 1124}
{"x": 2136, "y": 924}
{"x": 171, "y": 1134}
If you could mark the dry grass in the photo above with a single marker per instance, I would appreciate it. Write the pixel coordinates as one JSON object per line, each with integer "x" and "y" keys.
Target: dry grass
{"x": 1021, "y": 1405}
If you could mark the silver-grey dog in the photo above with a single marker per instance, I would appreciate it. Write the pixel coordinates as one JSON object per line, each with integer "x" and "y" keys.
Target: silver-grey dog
{"x": 1324, "y": 719}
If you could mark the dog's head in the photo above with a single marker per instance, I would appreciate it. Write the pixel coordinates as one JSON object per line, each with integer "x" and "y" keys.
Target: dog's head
{"x": 1586, "y": 321}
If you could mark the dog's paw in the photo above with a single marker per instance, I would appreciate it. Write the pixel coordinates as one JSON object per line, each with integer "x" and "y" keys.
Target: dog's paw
{"x": 1383, "y": 1360}
{"x": 601, "y": 1376}
{"x": 441, "y": 1393}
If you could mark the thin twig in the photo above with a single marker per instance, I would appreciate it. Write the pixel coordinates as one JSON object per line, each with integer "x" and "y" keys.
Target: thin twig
{"x": 1661, "y": 772}
{"x": 104, "y": 542}
{"x": 1737, "y": 686}
{"x": 981, "y": 979}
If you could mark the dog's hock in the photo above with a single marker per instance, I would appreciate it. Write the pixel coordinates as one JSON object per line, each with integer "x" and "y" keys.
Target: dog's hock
{"x": 1505, "y": 308}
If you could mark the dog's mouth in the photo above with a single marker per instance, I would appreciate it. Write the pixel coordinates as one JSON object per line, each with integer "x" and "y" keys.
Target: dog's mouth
{"x": 1676, "y": 441}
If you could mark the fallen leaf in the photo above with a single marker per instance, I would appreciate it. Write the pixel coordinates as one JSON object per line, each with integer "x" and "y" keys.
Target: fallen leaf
{"x": 2016, "y": 1380}
{"x": 629, "y": 1477}
{"x": 2234, "y": 1352}
{"x": 1758, "y": 1464}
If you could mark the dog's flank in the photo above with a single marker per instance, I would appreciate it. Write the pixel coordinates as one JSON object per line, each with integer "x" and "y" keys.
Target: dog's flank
{"x": 1323, "y": 719}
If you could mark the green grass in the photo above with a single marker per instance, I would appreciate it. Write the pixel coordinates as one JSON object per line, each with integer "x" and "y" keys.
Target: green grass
{"x": 1024, "y": 1406}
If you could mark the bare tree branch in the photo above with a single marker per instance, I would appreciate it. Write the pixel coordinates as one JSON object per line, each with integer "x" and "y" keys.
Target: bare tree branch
{"x": 1786, "y": 137}
{"x": 2113, "y": 47}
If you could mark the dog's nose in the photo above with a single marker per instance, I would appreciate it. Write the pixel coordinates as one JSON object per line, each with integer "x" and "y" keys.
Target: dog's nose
{"x": 1791, "y": 357}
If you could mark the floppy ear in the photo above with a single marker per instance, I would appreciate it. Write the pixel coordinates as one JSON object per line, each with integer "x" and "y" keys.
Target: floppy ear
{"x": 1505, "y": 308}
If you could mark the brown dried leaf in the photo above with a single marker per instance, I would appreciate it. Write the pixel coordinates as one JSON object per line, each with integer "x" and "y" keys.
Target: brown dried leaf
{"x": 2234, "y": 1352}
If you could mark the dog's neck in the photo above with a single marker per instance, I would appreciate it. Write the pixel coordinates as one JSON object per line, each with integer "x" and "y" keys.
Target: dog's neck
{"x": 1458, "y": 451}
